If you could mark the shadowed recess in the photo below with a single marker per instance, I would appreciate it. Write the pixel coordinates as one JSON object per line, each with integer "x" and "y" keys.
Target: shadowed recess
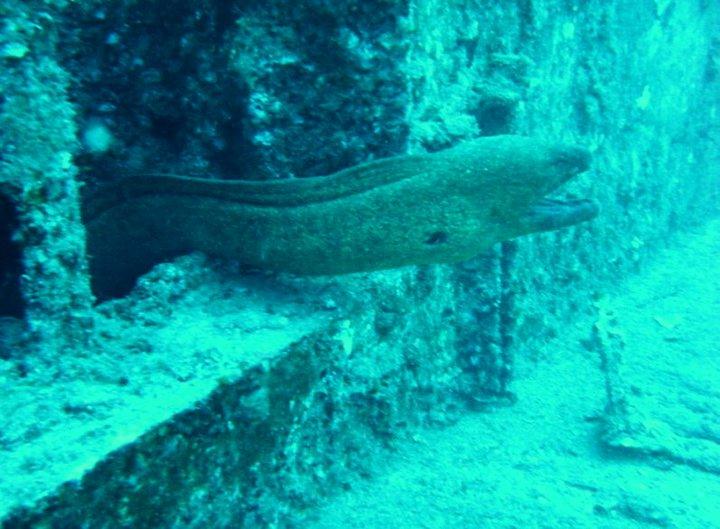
{"x": 11, "y": 301}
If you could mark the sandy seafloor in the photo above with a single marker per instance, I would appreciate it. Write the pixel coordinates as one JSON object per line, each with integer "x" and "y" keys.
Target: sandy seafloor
{"x": 540, "y": 463}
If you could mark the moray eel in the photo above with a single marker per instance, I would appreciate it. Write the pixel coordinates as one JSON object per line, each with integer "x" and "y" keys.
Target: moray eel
{"x": 416, "y": 209}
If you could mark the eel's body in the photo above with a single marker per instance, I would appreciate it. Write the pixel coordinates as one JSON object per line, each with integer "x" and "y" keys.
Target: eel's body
{"x": 430, "y": 208}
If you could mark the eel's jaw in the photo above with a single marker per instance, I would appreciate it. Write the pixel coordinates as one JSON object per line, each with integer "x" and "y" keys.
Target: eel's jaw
{"x": 551, "y": 214}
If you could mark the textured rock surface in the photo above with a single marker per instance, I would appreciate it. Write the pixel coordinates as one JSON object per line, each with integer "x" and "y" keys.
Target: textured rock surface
{"x": 38, "y": 181}
{"x": 238, "y": 89}
{"x": 281, "y": 89}
{"x": 639, "y": 85}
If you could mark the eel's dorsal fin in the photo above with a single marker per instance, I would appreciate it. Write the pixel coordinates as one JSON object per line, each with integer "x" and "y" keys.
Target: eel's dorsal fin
{"x": 269, "y": 193}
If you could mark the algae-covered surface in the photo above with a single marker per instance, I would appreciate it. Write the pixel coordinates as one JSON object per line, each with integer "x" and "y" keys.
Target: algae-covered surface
{"x": 147, "y": 410}
{"x": 186, "y": 329}
{"x": 542, "y": 462}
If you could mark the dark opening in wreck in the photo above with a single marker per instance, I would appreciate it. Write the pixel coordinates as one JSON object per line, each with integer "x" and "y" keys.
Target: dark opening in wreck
{"x": 11, "y": 299}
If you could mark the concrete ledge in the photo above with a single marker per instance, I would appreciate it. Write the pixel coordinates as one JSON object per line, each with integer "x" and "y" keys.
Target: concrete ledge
{"x": 208, "y": 398}
{"x": 128, "y": 435}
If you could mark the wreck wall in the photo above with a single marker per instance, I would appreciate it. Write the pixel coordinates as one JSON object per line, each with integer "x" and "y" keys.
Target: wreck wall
{"x": 635, "y": 82}
{"x": 38, "y": 182}
{"x": 278, "y": 89}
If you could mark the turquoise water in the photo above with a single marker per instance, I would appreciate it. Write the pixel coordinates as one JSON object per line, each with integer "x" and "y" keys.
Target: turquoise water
{"x": 419, "y": 263}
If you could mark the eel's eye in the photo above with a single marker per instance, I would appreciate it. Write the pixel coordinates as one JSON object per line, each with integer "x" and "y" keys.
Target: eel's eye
{"x": 573, "y": 160}
{"x": 437, "y": 237}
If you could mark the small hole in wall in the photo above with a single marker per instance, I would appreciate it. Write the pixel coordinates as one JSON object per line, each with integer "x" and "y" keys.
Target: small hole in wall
{"x": 11, "y": 300}
{"x": 495, "y": 116}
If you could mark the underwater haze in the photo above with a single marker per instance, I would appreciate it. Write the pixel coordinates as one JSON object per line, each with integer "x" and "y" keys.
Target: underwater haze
{"x": 355, "y": 264}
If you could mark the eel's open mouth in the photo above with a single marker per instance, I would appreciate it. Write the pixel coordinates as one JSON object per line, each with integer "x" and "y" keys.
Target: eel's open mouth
{"x": 551, "y": 214}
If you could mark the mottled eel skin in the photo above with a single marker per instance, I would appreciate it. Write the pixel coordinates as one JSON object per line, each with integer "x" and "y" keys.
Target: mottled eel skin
{"x": 428, "y": 208}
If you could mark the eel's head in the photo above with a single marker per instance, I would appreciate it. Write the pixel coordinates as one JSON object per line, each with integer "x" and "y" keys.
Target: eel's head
{"x": 531, "y": 172}
{"x": 542, "y": 214}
